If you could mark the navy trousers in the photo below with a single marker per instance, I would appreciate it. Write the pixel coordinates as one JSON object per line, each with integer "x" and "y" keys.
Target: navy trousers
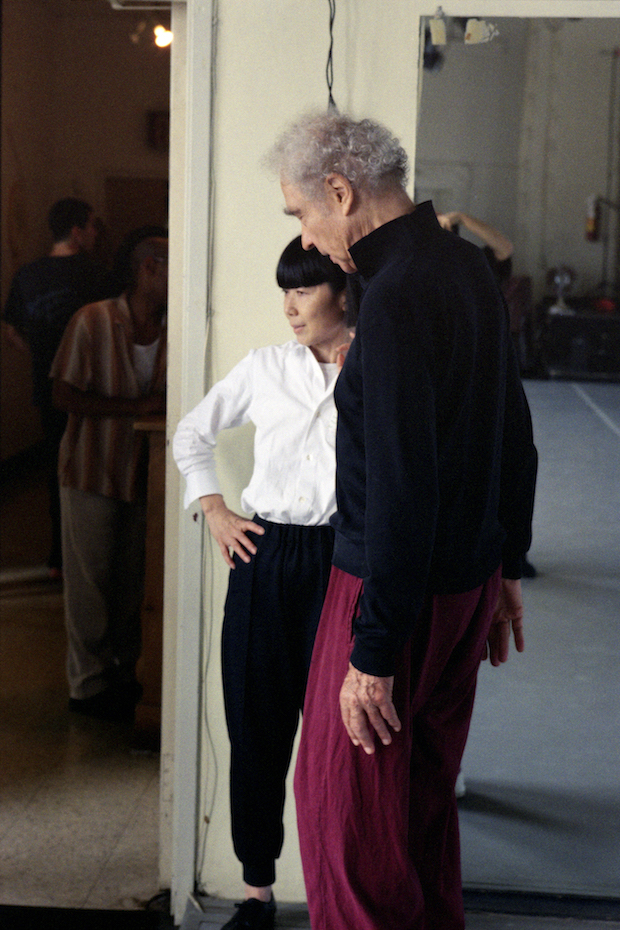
{"x": 271, "y": 616}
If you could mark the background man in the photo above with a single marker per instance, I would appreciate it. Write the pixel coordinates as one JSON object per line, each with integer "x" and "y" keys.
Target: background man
{"x": 435, "y": 484}
{"x": 43, "y": 297}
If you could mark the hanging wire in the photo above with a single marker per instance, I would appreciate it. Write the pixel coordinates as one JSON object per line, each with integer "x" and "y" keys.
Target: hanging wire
{"x": 329, "y": 70}
{"x": 208, "y": 760}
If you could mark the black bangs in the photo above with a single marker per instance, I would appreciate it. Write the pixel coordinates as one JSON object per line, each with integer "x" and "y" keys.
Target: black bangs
{"x": 300, "y": 268}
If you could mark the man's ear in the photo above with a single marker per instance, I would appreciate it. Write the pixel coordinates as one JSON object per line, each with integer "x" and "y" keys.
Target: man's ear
{"x": 146, "y": 270}
{"x": 76, "y": 237}
{"x": 340, "y": 192}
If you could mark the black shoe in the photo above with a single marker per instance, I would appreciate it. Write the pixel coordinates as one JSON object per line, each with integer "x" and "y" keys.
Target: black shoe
{"x": 253, "y": 915}
{"x": 117, "y": 704}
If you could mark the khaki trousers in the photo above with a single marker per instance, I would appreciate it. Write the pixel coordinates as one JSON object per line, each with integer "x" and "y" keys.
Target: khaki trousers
{"x": 103, "y": 563}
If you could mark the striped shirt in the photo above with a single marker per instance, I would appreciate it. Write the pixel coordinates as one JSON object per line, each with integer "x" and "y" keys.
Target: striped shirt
{"x": 104, "y": 455}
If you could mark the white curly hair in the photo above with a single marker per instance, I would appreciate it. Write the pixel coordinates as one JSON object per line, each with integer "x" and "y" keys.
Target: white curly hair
{"x": 319, "y": 144}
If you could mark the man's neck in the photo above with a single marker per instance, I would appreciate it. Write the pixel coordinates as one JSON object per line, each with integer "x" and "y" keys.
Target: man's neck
{"x": 64, "y": 249}
{"x": 377, "y": 211}
{"x": 383, "y": 210}
{"x": 146, "y": 316}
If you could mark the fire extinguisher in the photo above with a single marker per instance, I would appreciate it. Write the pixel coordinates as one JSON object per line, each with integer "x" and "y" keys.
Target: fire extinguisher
{"x": 593, "y": 215}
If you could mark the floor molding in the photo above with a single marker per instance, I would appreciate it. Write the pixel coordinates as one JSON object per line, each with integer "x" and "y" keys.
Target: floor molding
{"x": 542, "y": 905}
{"x": 60, "y": 918}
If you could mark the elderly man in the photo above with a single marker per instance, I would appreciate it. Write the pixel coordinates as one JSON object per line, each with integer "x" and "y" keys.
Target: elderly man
{"x": 435, "y": 485}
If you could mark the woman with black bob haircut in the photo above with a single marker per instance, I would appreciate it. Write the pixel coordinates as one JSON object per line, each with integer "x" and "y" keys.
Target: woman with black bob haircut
{"x": 280, "y": 559}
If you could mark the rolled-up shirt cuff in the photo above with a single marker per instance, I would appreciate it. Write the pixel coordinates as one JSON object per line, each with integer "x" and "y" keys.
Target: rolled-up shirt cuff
{"x": 198, "y": 484}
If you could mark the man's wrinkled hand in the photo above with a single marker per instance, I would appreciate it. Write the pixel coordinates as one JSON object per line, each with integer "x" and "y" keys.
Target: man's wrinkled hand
{"x": 366, "y": 705}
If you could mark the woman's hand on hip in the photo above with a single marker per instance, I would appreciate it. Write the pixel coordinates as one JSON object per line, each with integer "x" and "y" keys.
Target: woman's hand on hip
{"x": 229, "y": 529}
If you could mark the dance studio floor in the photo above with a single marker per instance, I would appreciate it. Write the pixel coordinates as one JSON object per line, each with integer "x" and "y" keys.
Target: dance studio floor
{"x": 79, "y": 804}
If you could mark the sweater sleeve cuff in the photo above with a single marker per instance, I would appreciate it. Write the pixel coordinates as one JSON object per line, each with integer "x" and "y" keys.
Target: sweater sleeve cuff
{"x": 370, "y": 662}
{"x": 512, "y": 568}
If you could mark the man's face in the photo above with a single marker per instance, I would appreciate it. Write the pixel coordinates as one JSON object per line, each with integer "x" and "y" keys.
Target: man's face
{"x": 160, "y": 274}
{"x": 323, "y": 225}
{"x": 87, "y": 235}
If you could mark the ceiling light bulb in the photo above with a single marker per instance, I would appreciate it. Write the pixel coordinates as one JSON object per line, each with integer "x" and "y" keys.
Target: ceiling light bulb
{"x": 163, "y": 36}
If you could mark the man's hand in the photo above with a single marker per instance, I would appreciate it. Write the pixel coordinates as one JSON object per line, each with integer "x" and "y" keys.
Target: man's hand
{"x": 508, "y": 616}
{"x": 341, "y": 354}
{"x": 229, "y": 529}
{"x": 15, "y": 338}
{"x": 341, "y": 351}
{"x": 367, "y": 699}
{"x": 67, "y": 397}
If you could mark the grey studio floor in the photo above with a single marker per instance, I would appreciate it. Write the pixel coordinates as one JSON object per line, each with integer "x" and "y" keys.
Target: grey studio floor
{"x": 541, "y": 816}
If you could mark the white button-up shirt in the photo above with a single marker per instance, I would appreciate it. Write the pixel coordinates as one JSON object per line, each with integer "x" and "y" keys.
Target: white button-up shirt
{"x": 289, "y": 397}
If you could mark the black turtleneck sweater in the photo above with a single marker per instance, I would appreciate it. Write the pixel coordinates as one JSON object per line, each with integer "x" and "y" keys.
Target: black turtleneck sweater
{"x": 436, "y": 465}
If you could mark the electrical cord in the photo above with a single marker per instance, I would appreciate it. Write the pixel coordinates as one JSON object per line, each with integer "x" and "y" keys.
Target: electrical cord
{"x": 208, "y": 768}
{"x": 329, "y": 68}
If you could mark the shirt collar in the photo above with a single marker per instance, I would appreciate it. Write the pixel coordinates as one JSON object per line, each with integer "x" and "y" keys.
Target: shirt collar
{"x": 386, "y": 242}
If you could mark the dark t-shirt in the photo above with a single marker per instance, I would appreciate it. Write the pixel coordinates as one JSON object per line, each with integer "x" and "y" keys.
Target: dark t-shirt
{"x": 43, "y": 297}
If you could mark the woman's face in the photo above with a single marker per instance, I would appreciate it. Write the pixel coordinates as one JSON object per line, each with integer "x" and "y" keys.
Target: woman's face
{"x": 316, "y": 316}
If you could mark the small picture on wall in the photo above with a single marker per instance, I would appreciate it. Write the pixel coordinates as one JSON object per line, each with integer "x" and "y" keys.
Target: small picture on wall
{"x": 158, "y": 130}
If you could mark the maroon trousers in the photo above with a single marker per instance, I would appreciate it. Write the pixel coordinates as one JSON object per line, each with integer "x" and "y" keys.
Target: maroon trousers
{"x": 379, "y": 834}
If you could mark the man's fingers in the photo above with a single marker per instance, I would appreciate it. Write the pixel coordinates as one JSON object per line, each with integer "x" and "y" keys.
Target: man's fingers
{"x": 361, "y": 720}
{"x": 517, "y": 632}
{"x": 356, "y": 724}
{"x": 366, "y": 706}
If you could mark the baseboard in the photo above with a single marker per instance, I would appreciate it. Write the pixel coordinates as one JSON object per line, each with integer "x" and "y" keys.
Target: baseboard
{"x": 542, "y": 905}
{"x": 60, "y": 918}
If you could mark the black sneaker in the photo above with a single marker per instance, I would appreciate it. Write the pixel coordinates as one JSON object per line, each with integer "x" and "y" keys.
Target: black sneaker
{"x": 253, "y": 914}
{"x": 116, "y": 703}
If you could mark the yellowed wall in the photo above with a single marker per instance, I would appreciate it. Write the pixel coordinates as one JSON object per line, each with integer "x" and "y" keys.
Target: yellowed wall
{"x": 75, "y": 92}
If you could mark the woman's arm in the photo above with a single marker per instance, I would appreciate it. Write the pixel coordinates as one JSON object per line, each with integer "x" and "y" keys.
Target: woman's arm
{"x": 501, "y": 246}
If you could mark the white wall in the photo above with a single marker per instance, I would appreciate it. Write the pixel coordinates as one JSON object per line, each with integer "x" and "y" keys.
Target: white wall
{"x": 470, "y": 126}
{"x": 516, "y": 131}
{"x": 565, "y": 146}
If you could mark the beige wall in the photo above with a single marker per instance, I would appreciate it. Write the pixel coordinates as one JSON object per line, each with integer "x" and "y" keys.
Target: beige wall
{"x": 75, "y": 93}
{"x": 270, "y": 65}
